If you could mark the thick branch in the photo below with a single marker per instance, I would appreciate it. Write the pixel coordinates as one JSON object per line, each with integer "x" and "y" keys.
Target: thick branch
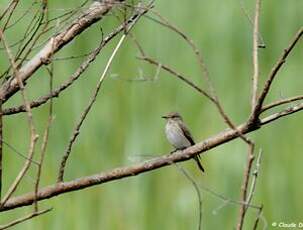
{"x": 128, "y": 171}
{"x": 92, "y": 15}
{"x": 85, "y": 64}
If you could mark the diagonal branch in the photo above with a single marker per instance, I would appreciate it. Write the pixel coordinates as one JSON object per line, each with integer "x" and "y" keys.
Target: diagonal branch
{"x": 23, "y": 219}
{"x": 273, "y": 74}
{"x": 85, "y": 64}
{"x": 93, "y": 98}
{"x": 281, "y": 102}
{"x": 96, "y": 11}
{"x": 33, "y": 135}
{"x": 212, "y": 96}
{"x": 133, "y": 170}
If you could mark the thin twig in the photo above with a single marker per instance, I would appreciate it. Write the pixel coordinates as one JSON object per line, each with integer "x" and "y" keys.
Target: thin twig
{"x": 255, "y": 56}
{"x": 57, "y": 42}
{"x": 26, "y": 12}
{"x": 190, "y": 42}
{"x": 91, "y": 102}
{"x": 273, "y": 74}
{"x": 18, "y": 152}
{"x": 33, "y": 39}
{"x": 33, "y": 135}
{"x": 45, "y": 139}
{"x": 197, "y": 88}
{"x": 254, "y": 179}
{"x": 10, "y": 10}
{"x": 258, "y": 218}
{"x": 85, "y": 64}
{"x": 11, "y": 5}
{"x": 226, "y": 199}
{"x": 244, "y": 187}
{"x": 23, "y": 219}
{"x": 251, "y": 145}
{"x": 178, "y": 75}
{"x": 281, "y": 102}
{"x": 212, "y": 96}
{"x": 197, "y": 189}
{"x": 261, "y": 43}
{"x": 76, "y": 131}
{"x": 282, "y": 113}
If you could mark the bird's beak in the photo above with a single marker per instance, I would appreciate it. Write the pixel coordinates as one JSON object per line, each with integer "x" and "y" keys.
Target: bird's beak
{"x": 165, "y": 117}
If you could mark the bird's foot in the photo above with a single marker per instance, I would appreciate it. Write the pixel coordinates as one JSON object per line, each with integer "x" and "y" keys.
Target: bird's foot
{"x": 175, "y": 150}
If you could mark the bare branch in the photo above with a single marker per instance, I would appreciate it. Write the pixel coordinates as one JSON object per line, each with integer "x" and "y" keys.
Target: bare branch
{"x": 18, "y": 152}
{"x": 76, "y": 131}
{"x": 281, "y": 102}
{"x": 197, "y": 88}
{"x": 261, "y": 40}
{"x": 258, "y": 218}
{"x": 87, "y": 18}
{"x": 244, "y": 187}
{"x": 197, "y": 189}
{"x": 23, "y": 219}
{"x": 45, "y": 139}
{"x": 273, "y": 74}
{"x": 251, "y": 145}
{"x": 255, "y": 56}
{"x": 10, "y": 10}
{"x": 33, "y": 135}
{"x": 190, "y": 42}
{"x": 212, "y": 96}
{"x": 178, "y": 75}
{"x": 255, "y": 175}
{"x": 85, "y": 112}
{"x": 282, "y": 113}
{"x": 133, "y": 170}
{"x": 85, "y": 64}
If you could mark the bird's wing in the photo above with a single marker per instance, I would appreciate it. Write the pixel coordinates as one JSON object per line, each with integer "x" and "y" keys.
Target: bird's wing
{"x": 186, "y": 133}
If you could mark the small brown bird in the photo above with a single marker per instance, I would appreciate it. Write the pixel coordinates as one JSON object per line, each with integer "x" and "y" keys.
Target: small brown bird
{"x": 178, "y": 134}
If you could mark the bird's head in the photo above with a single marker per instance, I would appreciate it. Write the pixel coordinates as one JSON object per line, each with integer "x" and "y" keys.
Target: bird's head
{"x": 172, "y": 116}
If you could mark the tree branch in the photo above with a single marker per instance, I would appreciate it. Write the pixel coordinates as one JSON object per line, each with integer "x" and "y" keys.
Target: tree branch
{"x": 273, "y": 73}
{"x": 96, "y": 11}
{"x": 23, "y": 219}
{"x": 255, "y": 56}
{"x": 85, "y": 64}
{"x": 76, "y": 131}
{"x": 281, "y": 102}
{"x": 128, "y": 171}
{"x": 33, "y": 135}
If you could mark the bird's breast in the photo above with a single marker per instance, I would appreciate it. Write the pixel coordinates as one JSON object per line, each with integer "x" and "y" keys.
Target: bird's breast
{"x": 175, "y": 136}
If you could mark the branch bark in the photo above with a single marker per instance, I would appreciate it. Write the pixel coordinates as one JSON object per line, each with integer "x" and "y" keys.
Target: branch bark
{"x": 95, "y": 12}
{"x": 78, "y": 73}
{"x": 153, "y": 164}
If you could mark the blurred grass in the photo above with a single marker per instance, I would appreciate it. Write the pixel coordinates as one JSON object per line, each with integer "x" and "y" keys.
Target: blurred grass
{"x": 125, "y": 122}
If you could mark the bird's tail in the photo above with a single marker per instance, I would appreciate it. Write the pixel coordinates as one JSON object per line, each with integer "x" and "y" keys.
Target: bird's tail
{"x": 197, "y": 159}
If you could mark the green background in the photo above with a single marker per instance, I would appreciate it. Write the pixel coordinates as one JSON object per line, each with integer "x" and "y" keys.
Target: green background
{"x": 125, "y": 127}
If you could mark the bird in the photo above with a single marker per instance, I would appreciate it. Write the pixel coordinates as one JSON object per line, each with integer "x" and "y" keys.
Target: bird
{"x": 179, "y": 135}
